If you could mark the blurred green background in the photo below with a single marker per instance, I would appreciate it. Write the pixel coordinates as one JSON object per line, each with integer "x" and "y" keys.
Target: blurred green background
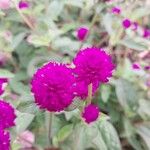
{"x": 46, "y": 31}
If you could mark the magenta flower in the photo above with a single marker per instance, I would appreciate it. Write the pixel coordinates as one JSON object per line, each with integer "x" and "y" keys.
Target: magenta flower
{"x": 146, "y": 33}
{"x": 4, "y": 4}
{"x": 4, "y": 140}
{"x": 90, "y": 113}
{"x": 2, "y": 82}
{"x": 116, "y": 10}
{"x": 147, "y": 67}
{"x": 52, "y": 86}
{"x": 136, "y": 66}
{"x": 93, "y": 65}
{"x": 134, "y": 26}
{"x": 82, "y": 33}
{"x": 7, "y": 115}
{"x": 81, "y": 89}
{"x": 126, "y": 23}
{"x": 23, "y": 4}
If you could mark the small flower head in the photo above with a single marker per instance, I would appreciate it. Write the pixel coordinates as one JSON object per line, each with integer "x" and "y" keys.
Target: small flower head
{"x": 82, "y": 33}
{"x": 2, "y": 82}
{"x": 7, "y": 115}
{"x": 4, "y": 4}
{"x": 126, "y": 23}
{"x": 147, "y": 67}
{"x": 146, "y": 33}
{"x": 81, "y": 89}
{"x": 93, "y": 65}
{"x": 4, "y": 140}
{"x": 52, "y": 86}
{"x": 23, "y": 4}
{"x": 90, "y": 113}
{"x": 116, "y": 10}
{"x": 136, "y": 66}
{"x": 134, "y": 26}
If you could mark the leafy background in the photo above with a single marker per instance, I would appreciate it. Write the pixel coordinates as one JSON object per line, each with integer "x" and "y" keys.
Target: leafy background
{"x": 47, "y": 31}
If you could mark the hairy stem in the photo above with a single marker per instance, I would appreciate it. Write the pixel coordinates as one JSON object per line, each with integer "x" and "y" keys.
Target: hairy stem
{"x": 89, "y": 98}
{"x": 50, "y": 128}
{"x": 25, "y": 19}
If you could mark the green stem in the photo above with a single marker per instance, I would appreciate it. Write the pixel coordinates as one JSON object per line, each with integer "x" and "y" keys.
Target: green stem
{"x": 90, "y": 28}
{"x": 89, "y": 98}
{"x": 50, "y": 128}
{"x": 25, "y": 19}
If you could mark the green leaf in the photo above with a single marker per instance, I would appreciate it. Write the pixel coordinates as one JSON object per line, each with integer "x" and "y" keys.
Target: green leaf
{"x": 23, "y": 121}
{"x": 130, "y": 134}
{"x": 109, "y": 135}
{"x": 105, "y": 92}
{"x": 131, "y": 43}
{"x": 6, "y": 74}
{"x": 144, "y": 132}
{"x": 127, "y": 95}
{"x": 17, "y": 40}
{"x": 65, "y": 132}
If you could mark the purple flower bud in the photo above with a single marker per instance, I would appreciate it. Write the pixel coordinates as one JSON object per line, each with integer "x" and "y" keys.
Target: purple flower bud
{"x": 90, "y": 113}
{"x": 147, "y": 67}
{"x": 126, "y": 23}
{"x": 4, "y": 4}
{"x": 134, "y": 26}
{"x": 146, "y": 33}
{"x": 136, "y": 66}
{"x": 82, "y": 33}
{"x": 116, "y": 10}
{"x": 23, "y": 4}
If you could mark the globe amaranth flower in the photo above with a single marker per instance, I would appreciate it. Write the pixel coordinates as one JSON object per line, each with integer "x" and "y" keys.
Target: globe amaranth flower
{"x": 94, "y": 66}
{"x": 7, "y": 115}
{"x": 82, "y": 33}
{"x": 90, "y": 113}
{"x": 134, "y": 26}
{"x": 2, "y": 82}
{"x": 4, "y": 140}
{"x": 5, "y": 4}
{"x": 146, "y": 33}
{"x": 23, "y": 4}
{"x": 81, "y": 89}
{"x": 126, "y": 23}
{"x": 147, "y": 67}
{"x": 52, "y": 86}
{"x": 136, "y": 66}
{"x": 116, "y": 10}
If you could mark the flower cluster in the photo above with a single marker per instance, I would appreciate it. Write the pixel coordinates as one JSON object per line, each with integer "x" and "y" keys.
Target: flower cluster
{"x": 129, "y": 24}
{"x": 55, "y": 85}
{"x": 7, "y": 118}
{"x": 55, "y": 82}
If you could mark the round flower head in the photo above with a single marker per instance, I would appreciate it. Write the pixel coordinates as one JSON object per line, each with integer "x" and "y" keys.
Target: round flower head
{"x": 146, "y": 33}
{"x": 116, "y": 10}
{"x": 4, "y": 140}
{"x": 134, "y": 26}
{"x": 126, "y": 23}
{"x": 7, "y": 115}
{"x": 90, "y": 113}
{"x": 4, "y": 4}
{"x": 52, "y": 86}
{"x": 82, "y": 33}
{"x": 93, "y": 65}
{"x": 2, "y": 82}
{"x": 81, "y": 89}
{"x": 136, "y": 66}
{"x": 23, "y": 4}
